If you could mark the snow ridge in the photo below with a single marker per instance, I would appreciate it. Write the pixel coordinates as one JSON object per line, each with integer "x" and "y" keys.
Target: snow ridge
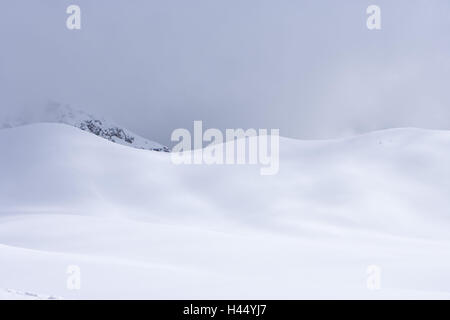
{"x": 104, "y": 128}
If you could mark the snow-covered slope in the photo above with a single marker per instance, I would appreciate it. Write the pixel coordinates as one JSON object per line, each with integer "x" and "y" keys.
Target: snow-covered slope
{"x": 140, "y": 227}
{"x": 10, "y": 294}
{"x": 107, "y": 129}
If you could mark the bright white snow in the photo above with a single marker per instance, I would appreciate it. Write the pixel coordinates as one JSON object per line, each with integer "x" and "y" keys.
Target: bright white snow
{"x": 140, "y": 227}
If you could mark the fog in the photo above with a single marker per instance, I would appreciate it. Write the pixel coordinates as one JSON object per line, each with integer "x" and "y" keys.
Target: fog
{"x": 310, "y": 68}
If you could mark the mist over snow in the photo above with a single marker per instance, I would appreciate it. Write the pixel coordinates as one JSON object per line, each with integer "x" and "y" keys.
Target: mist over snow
{"x": 309, "y": 68}
{"x": 137, "y": 226}
{"x": 56, "y": 112}
{"x": 92, "y": 205}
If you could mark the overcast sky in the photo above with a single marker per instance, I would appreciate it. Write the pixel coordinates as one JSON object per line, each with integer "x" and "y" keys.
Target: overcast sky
{"x": 310, "y": 68}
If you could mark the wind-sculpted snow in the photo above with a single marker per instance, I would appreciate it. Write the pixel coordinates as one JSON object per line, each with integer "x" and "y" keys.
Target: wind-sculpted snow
{"x": 139, "y": 226}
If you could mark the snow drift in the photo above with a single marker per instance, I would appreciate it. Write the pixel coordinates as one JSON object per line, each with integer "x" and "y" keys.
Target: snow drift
{"x": 139, "y": 226}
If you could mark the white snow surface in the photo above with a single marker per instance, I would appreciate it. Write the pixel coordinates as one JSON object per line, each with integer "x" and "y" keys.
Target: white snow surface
{"x": 56, "y": 112}
{"x": 140, "y": 227}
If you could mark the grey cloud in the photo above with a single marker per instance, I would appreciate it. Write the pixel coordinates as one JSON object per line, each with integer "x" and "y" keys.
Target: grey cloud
{"x": 310, "y": 68}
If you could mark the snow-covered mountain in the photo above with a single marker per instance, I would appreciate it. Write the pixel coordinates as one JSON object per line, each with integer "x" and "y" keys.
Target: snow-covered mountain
{"x": 138, "y": 226}
{"x": 107, "y": 129}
